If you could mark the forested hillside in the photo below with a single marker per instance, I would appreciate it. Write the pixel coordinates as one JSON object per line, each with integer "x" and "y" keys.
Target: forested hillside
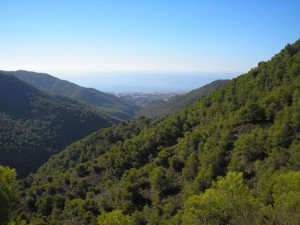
{"x": 35, "y": 125}
{"x": 107, "y": 102}
{"x": 230, "y": 158}
{"x": 176, "y": 103}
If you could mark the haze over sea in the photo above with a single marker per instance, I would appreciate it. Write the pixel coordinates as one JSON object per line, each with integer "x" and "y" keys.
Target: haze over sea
{"x": 179, "y": 45}
{"x": 144, "y": 82}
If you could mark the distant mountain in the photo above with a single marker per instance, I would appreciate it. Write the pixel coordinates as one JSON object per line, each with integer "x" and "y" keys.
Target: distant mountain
{"x": 34, "y": 125}
{"x": 176, "y": 103}
{"x": 107, "y": 102}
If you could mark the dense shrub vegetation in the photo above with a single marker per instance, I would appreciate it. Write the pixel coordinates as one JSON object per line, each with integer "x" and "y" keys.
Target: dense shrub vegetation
{"x": 231, "y": 158}
{"x": 35, "y": 125}
{"x": 8, "y": 193}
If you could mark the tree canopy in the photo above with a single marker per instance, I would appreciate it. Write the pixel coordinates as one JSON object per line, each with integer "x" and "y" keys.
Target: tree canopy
{"x": 230, "y": 158}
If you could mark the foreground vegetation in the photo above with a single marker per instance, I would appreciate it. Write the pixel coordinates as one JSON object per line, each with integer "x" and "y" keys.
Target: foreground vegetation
{"x": 231, "y": 158}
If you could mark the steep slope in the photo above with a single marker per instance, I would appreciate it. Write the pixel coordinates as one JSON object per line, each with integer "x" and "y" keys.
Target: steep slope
{"x": 176, "y": 103}
{"x": 110, "y": 103}
{"x": 35, "y": 125}
{"x": 168, "y": 171}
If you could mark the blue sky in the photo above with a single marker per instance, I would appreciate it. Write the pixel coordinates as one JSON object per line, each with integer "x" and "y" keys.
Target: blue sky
{"x": 76, "y": 37}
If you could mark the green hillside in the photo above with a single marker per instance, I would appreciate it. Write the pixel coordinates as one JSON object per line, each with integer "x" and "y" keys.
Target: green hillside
{"x": 107, "y": 102}
{"x": 35, "y": 125}
{"x": 230, "y": 158}
{"x": 176, "y": 103}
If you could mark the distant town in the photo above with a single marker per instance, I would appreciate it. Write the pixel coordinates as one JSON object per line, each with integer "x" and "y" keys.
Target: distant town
{"x": 145, "y": 98}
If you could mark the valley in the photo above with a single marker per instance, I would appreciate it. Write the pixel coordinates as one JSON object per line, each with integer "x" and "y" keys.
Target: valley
{"x": 231, "y": 156}
{"x": 150, "y": 112}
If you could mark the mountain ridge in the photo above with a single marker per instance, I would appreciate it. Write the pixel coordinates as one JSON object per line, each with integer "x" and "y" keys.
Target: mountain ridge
{"x": 230, "y": 158}
{"x": 56, "y": 86}
{"x": 34, "y": 125}
{"x": 177, "y": 103}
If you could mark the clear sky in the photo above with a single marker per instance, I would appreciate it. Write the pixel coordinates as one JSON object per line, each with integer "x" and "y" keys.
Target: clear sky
{"x": 68, "y": 37}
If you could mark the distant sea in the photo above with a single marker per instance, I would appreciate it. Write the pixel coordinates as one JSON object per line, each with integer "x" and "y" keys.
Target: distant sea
{"x": 145, "y": 82}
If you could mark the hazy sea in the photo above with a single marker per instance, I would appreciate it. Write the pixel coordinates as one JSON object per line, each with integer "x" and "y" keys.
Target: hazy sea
{"x": 145, "y": 82}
